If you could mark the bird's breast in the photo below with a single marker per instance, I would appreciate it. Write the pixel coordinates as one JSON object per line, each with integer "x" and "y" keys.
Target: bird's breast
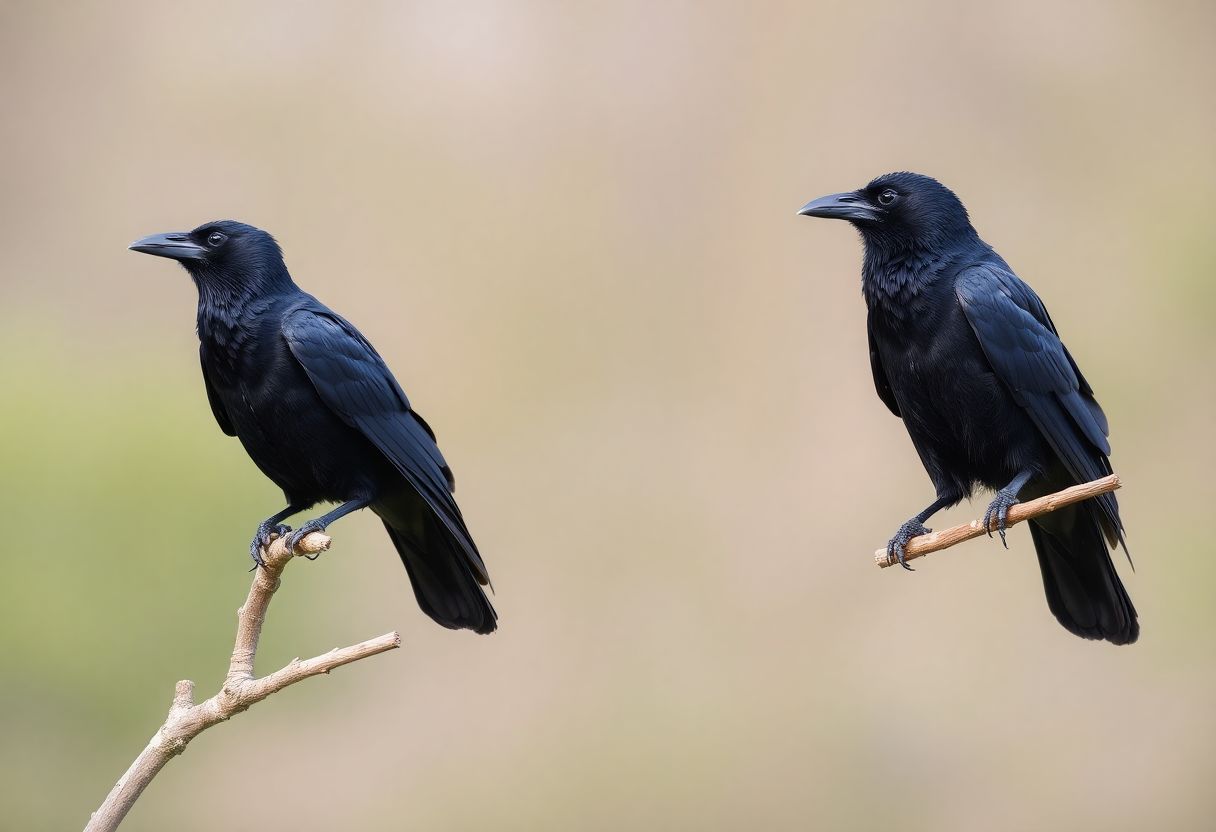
{"x": 285, "y": 427}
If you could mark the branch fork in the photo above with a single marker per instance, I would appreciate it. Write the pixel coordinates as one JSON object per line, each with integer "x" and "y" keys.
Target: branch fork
{"x": 240, "y": 691}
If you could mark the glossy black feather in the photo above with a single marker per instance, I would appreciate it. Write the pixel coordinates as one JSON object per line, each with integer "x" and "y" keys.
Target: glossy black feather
{"x": 213, "y": 398}
{"x": 354, "y": 383}
{"x": 881, "y": 384}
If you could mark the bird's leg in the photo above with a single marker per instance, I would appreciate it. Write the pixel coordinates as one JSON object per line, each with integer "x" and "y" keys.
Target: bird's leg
{"x": 323, "y": 521}
{"x": 998, "y": 509}
{"x": 270, "y": 526}
{"x": 914, "y": 528}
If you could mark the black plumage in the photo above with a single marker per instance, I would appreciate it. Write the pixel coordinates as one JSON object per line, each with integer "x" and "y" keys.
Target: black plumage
{"x": 965, "y": 353}
{"x": 321, "y": 415}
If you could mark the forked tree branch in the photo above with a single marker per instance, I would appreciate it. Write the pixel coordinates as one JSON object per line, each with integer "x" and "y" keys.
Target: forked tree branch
{"x": 936, "y": 541}
{"x": 186, "y": 720}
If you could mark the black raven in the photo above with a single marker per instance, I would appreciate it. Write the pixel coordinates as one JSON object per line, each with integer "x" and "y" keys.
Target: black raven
{"x": 966, "y": 354}
{"x": 321, "y": 415}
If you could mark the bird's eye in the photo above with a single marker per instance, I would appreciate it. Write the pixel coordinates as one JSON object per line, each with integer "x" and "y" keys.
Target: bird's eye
{"x": 215, "y": 238}
{"x": 887, "y": 197}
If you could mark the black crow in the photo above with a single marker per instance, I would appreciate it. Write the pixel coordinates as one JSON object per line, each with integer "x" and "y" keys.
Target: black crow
{"x": 966, "y": 354}
{"x": 321, "y": 415}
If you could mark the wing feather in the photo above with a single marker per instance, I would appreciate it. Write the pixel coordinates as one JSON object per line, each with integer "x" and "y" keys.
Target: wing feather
{"x": 1022, "y": 345}
{"x": 217, "y": 406}
{"x": 881, "y": 383}
{"x": 354, "y": 382}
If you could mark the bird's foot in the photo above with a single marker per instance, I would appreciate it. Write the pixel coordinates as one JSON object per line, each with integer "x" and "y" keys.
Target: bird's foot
{"x": 304, "y": 531}
{"x": 897, "y": 545}
{"x": 261, "y": 539}
{"x": 998, "y": 512}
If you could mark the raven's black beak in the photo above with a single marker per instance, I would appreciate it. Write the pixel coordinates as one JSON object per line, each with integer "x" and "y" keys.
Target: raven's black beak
{"x": 848, "y": 206}
{"x": 177, "y": 246}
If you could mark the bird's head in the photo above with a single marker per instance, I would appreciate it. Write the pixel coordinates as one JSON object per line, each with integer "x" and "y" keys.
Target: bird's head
{"x": 225, "y": 254}
{"x": 897, "y": 209}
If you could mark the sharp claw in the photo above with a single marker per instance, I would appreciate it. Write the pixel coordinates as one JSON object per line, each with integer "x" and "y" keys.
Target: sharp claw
{"x": 298, "y": 535}
{"x": 897, "y": 545}
{"x": 998, "y": 515}
{"x": 262, "y": 539}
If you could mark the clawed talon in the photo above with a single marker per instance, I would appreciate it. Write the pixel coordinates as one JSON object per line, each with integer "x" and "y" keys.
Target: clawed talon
{"x": 299, "y": 534}
{"x": 896, "y": 546}
{"x": 998, "y": 512}
{"x": 262, "y": 538}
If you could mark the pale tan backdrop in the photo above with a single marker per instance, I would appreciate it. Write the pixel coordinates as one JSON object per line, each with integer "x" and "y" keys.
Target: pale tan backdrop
{"x": 572, "y": 234}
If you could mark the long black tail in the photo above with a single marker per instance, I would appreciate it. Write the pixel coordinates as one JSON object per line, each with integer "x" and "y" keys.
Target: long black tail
{"x": 444, "y": 585}
{"x": 1083, "y": 590}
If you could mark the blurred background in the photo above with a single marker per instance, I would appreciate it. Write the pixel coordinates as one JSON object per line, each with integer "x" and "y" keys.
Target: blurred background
{"x": 571, "y": 232}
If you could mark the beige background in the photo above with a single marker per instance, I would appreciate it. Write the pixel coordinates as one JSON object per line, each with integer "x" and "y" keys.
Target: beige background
{"x": 572, "y": 234}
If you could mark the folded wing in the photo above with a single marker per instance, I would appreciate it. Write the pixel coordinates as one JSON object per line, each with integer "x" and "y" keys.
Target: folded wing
{"x": 1020, "y": 342}
{"x": 354, "y": 382}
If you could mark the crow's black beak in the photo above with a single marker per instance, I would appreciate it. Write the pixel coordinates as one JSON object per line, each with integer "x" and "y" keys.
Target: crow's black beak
{"x": 177, "y": 246}
{"x": 848, "y": 206}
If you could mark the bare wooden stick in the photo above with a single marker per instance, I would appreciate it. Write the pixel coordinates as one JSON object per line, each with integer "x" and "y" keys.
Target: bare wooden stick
{"x": 936, "y": 541}
{"x": 240, "y": 690}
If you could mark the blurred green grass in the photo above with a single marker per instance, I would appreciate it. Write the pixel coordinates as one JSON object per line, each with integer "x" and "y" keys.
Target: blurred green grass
{"x": 118, "y": 480}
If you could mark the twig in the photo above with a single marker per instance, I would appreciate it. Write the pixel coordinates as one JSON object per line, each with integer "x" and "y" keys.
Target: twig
{"x": 936, "y": 541}
{"x": 241, "y": 690}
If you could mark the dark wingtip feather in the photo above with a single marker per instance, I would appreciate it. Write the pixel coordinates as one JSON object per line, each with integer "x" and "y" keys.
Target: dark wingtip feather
{"x": 446, "y": 588}
{"x": 1083, "y": 589}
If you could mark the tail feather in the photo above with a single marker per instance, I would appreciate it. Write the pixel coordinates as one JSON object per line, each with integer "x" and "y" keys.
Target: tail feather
{"x": 1083, "y": 589}
{"x": 444, "y": 584}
